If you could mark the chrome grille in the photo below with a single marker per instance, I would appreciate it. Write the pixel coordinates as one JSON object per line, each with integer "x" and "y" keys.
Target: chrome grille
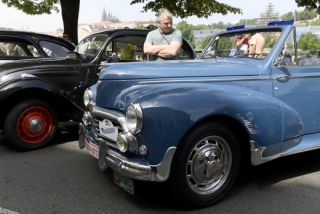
{"x": 96, "y": 130}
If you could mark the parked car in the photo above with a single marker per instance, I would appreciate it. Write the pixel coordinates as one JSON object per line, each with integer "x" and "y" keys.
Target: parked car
{"x": 16, "y": 45}
{"x": 194, "y": 123}
{"x": 36, "y": 94}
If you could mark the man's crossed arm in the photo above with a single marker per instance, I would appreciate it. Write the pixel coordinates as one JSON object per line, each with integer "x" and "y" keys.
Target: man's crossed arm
{"x": 162, "y": 50}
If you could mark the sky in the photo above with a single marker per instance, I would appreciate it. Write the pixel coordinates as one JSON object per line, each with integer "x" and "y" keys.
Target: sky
{"x": 91, "y": 10}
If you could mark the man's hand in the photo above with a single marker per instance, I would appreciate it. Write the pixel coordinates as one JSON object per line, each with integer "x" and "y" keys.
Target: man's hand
{"x": 162, "y": 50}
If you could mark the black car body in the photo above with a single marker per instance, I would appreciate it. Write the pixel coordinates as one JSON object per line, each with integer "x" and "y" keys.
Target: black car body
{"x": 36, "y": 94}
{"x": 17, "y": 45}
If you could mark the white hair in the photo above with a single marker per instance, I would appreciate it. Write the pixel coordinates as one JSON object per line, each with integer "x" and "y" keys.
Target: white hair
{"x": 164, "y": 12}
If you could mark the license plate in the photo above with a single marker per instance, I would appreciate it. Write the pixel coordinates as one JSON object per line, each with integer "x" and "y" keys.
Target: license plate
{"x": 108, "y": 130}
{"x": 124, "y": 182}
{"x": 93, "y": 149}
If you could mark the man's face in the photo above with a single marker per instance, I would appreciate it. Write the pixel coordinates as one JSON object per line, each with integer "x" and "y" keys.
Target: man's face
{"x": 66, "y": 37}
{"x": 165, "y": 24}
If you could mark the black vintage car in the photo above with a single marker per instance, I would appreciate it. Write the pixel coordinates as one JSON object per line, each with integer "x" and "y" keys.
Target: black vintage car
{"x": 16, "y": 45}
{"x": 37, "y": 94}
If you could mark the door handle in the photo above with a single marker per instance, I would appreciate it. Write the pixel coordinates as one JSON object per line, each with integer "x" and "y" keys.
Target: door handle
{"x": 283, "y": 78}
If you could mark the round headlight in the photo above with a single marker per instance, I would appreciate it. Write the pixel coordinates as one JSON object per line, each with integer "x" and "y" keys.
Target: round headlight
{"x": 88, "y": 96}
{"x": 134, "y": 118}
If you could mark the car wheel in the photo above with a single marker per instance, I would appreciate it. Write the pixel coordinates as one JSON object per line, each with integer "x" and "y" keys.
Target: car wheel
{"x": 30, "y": 124}
{"x": 205, "y": 165}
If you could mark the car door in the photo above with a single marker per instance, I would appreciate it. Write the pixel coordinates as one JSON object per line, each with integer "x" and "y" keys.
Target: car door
{"x": 297, "y": 84}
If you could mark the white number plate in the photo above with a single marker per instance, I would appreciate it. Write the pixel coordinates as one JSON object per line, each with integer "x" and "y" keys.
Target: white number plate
{"x": 108, "y": 130}
{"x": 92, "y": 148}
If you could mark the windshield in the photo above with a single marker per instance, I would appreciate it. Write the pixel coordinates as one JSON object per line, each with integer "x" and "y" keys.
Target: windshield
{"x": 250, "y": 44}
{"x": 91, "y": 45}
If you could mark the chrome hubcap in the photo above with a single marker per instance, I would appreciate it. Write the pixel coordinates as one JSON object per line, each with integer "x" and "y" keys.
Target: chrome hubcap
{"x": 35, "y": 125}
{"x": 209, "y": 165}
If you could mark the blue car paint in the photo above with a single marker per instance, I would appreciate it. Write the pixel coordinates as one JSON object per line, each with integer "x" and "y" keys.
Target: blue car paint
{"x": 176, "y": 95}
{"x": 164, "y": 104}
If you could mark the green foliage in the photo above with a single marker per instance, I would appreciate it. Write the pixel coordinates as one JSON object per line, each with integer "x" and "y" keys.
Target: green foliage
{"x": 187, "y": 8}
{"x": 69, "y": 11}
{"x": 187, "y": 32}
{"x": 219, "y": 25}
{"x": 140, "y": 27}
{"x": 306, "y": 15}
{"x": 287, "y": 16}
{"x": 314, "y": 23}
{"x": 33, "y": 7}
{"x": 226, "y": 43}
{"x": 309, "y": 4}
{"x": 247, "y": 22}
{"x": 308, "y": 41}
{"x": 200, "y": 27}
{"x": 268, "y": 40}
{"x": 204, "y": 42}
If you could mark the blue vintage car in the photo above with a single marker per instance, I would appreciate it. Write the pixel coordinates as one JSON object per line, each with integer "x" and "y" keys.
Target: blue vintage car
{"x": 192, "y": 123}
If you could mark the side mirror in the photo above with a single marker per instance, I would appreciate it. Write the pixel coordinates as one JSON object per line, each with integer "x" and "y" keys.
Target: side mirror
{"x": 280, "y": 61}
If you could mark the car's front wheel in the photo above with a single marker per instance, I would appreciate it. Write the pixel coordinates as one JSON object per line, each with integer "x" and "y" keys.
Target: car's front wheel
{"x": 205, "y": 165}
{"x": 30, "y": 124}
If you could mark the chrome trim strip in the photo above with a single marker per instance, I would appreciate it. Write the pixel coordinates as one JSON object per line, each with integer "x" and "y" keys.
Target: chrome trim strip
{"x": 129, "y": 167}
{"x": 256, "y": 153}
{"x": 298, "y": 77}
{"x": 27, "y": 76}
{"x": 300, "y": 151}
{"x": 202, "y": 80}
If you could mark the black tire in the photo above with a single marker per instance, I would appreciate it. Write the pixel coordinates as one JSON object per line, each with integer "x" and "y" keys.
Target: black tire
{"x": 205, "y": 165}
{"x": 31, "y": 124}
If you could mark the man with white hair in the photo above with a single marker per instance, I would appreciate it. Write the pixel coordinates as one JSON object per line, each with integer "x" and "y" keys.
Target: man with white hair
{"x": 163, "y": 43}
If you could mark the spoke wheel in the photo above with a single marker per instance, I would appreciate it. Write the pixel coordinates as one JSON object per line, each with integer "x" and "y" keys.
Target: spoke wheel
{"x": 205, "y": 165}
{"x": 31, "y": 124}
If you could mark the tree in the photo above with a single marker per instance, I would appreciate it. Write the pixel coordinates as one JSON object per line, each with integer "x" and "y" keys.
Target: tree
{"x": 186, "y": 8}
{"x": 309, "y": 4}
{"x": 308, "y": 41}
{"x": 287, "y": 16}
{"x": 140, "y": 27}
{"x": 187, "y": 32}
{"x": 204, "y": 41}
{"x": 69, "y": 11}
{"x": 200, "y": 27}
{"x": 307, "y": 14}
{"x": 247, "y": 22}
{"x": 314, "y": 23}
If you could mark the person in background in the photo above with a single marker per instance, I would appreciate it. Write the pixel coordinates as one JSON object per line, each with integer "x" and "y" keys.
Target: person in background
{"x": 242, "y": 43}
{"x": 256, "y": 45}
{"x": 12, "y": 49}
{"x": 128, "y": 52}
{"x": 276, "y": 37}
{"x": 66, "y": 36}
{"x": 163, "y": 43}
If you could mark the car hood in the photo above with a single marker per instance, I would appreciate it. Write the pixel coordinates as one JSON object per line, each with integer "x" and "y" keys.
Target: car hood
{"x": 33, "y": 64}
{"x": 179, "y": 69}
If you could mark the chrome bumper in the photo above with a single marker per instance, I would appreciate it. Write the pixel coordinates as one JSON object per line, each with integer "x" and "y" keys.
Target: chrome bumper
{"x": 128, "y": 167}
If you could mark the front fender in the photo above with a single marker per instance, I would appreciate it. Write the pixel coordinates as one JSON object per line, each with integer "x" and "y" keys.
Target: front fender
{"x": 171, "y": 110}
{"x": 11, "y": 91}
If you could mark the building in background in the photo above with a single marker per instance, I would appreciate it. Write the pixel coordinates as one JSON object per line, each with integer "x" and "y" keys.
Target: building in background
{"x": 268, "y": 16}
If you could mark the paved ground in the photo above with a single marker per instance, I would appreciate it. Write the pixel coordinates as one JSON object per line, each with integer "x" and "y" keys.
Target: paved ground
{"x": 61, "y": 178}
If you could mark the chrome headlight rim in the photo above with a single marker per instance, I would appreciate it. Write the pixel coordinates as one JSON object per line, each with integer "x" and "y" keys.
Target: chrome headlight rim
{"x": 134, "y": 118}
{"x": 87, "y": 96}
